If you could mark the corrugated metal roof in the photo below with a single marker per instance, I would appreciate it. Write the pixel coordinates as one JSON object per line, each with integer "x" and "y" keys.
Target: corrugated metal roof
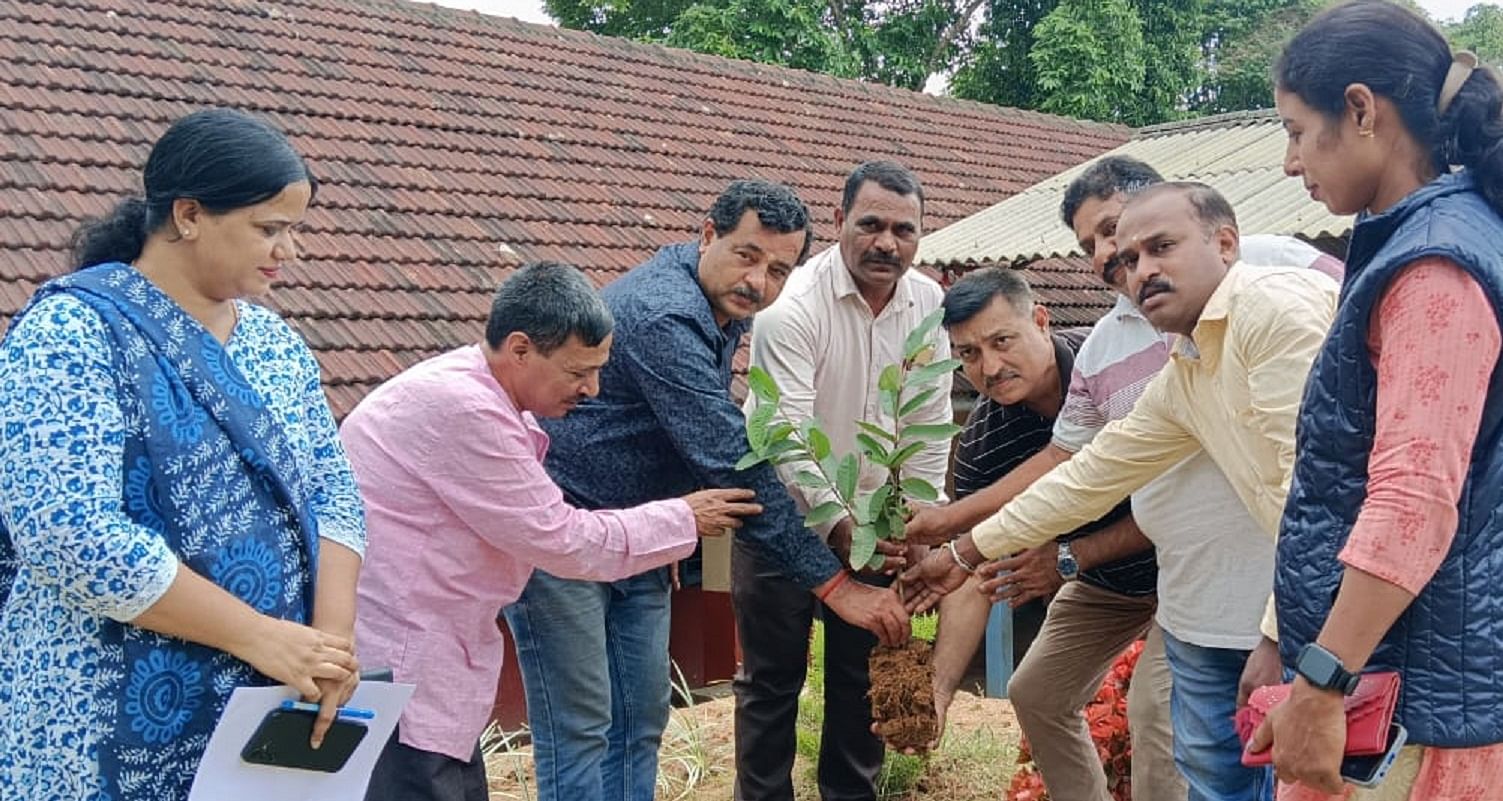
{"x": 1240, "y": 154}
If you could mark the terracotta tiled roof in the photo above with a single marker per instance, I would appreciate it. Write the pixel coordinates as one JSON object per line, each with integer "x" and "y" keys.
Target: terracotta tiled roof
{"x": 453, "y": 146}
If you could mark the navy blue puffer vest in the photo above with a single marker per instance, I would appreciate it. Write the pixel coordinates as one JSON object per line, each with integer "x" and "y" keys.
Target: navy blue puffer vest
{"x": 1448, "y": 645}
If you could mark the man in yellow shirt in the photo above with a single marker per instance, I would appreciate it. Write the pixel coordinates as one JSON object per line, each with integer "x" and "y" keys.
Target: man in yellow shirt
{"x": 1247, "y": 338}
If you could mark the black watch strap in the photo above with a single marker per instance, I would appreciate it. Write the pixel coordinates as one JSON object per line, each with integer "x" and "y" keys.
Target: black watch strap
{"x": 1324, "y": 670}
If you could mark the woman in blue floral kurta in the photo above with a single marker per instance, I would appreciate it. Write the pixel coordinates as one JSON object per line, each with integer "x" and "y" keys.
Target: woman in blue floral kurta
{"x": 171, "y": 484}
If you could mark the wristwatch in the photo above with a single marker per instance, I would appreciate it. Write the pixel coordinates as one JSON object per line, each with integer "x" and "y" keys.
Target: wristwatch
{"x": 1069, "y": 569}
{"x": 1324, "y": 670}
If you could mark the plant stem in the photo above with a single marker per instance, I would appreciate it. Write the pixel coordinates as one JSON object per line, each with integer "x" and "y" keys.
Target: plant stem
{"x": 796, "y": 436}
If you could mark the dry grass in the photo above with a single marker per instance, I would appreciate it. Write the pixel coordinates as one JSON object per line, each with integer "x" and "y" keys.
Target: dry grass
{"x": 974, "y": 762}
{"x": 697, "y": 763}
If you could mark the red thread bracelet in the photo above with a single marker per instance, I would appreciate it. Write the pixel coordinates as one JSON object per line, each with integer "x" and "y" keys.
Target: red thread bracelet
{"x": 839, "y": 580}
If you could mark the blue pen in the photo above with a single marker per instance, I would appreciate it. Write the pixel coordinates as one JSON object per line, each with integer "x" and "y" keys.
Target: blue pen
{"x": 352, "y": 712}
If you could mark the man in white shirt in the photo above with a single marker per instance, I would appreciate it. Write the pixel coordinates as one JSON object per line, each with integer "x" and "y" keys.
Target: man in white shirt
{"x": 841, "y": 319}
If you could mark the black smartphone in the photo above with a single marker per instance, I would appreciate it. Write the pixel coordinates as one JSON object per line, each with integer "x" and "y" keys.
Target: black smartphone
{"x": 1369, "y": 771}
{"x": 282, "y": 741}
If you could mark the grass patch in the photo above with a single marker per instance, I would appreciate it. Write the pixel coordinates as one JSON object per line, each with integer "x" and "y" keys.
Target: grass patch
{"x": 900, "y": 772}
{"x": 686, "y": 760}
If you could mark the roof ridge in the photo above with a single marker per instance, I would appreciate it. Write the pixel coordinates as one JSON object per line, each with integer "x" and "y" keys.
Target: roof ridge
{"x": 1230, "y": 119}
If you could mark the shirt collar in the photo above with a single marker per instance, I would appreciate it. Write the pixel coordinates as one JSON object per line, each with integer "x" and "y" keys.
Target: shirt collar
{"x": 685, "y": 256}
{"x": 1125, "y": 309}
{"x": 504, "y": 400}
{"x": 1213, "y": 317}
{"x": 845, "y": 284}
{"x": 1221, "y": 300}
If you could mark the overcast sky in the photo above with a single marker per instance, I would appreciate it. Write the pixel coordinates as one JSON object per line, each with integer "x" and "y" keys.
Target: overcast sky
{"x": 532, "y": 10}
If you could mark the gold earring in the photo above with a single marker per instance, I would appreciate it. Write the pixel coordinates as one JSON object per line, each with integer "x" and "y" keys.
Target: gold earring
{"x": 1365, "y": 133}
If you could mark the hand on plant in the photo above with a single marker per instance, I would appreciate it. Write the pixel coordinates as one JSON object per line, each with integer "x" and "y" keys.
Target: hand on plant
{"x": 913, "y": 555}
{"x": 942, "y": 700}
{"x": 1308, "y": 736}
{"x": 876, "y": 609}
{"x": 928, "y": 526}
{"x": 716, "y": 510}
{"x": 1264, "y": 668}
{"x": 895, "y": 555}
{"x": 1022, "y": 577}
{"x": 932, "y": 579}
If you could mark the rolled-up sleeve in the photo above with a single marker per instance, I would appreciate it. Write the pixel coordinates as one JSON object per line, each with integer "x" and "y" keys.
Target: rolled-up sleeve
{"x": 62, "y": 436}
{"x": 1080, "y": 419}
{"x": 676, "y": 373}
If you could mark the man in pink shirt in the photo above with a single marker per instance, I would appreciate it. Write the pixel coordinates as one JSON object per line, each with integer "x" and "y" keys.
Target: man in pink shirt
{"x": 449, "y": 458}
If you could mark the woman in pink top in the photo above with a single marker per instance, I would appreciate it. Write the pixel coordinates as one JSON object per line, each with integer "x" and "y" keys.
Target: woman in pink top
{"x": 1389, "y": 545}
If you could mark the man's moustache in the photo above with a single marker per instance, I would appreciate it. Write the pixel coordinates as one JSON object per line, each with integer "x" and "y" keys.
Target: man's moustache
{"x": 750, "y": 294}
{"x": 1156, "y": 287}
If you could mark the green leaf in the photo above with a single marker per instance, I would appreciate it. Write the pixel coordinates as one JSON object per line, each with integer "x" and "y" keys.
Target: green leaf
{"x": 750, "y": 460}
{"x": 890, "y": 379}
{"x": 762, "y": 385}
{"x": 911, "y": 405}
{"x": 879, "y": 500}
{"x": 877, "y": 431}
{"x": 872, "y": 448}
{"x": 890, "y": 402}
{"x": 919, "y": 337}
{"x": 882, "y": 526}
{"x": 863, "y": 546}
{"x": 780, "y": 432}
{"x": 846, "y": 476}
{"x": 863, "y": 507}
{"x": 780, "y": 448}
{"x": 919, "y": 489}
{"x": 904, "y": 454}
{"x": 896, "y": 524}
{"x": 811, "y": 479}
{"x": 831, "y": 467}
{"x": 876, "y": 561}
{"x": 756, "y": 427}
{"x": 823, "y": 513}
{"x": 931, "y": 432}
{"x": 819, "y": 444}
{"x": 807, "y": 427}
{"x": 929, "y": 372}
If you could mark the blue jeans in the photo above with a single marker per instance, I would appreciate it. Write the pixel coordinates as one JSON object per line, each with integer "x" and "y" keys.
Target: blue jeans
{"x": 594, "y": 659}
{"x": 1202, "y": 704}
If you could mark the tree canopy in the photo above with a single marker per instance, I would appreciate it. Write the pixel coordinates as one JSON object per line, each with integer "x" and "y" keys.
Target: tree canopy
{"x": 1137, "y": 62}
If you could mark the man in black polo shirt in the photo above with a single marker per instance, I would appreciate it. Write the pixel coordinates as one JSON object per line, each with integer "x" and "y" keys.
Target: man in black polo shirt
{"x": 1102, "y": 576}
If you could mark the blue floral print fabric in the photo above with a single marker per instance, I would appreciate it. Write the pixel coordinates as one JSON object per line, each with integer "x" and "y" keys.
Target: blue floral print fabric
{"x": 131, "y": 443}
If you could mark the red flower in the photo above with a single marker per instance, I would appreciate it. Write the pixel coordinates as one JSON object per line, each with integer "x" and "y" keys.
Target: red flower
{"x": 1106, "y": 719}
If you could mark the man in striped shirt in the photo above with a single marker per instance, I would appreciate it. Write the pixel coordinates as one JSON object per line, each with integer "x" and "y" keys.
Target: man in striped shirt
{"x": 1023, "y": 370}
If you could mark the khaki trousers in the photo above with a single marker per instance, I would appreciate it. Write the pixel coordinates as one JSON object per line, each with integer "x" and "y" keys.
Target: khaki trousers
{"x": 1086, "y": 629}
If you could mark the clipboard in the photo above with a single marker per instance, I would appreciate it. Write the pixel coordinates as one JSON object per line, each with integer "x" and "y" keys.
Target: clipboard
{"x": 224, "y": 776}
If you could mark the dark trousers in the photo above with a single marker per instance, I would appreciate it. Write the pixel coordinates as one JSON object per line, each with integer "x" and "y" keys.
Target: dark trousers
{"x": 773, "y": 618}
{"x": 404, "y": 773}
